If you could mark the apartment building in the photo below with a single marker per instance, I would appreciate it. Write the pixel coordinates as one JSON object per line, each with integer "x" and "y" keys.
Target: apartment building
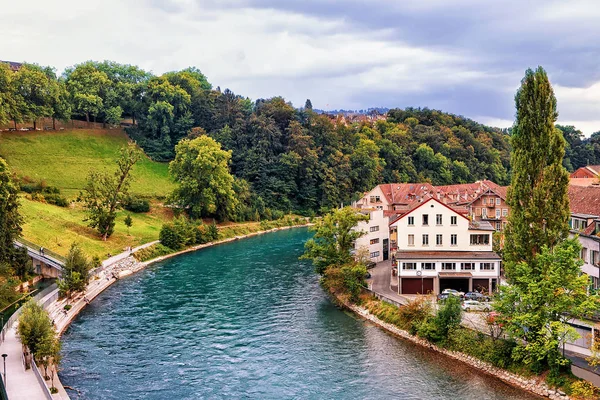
{"x": 375, "y": 242}
{"x": 438, "y": 247}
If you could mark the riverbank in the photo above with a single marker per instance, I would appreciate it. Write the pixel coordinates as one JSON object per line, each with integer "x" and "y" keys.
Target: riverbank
{"x": 531, "y": 385}
{"x": 125, "y": 265}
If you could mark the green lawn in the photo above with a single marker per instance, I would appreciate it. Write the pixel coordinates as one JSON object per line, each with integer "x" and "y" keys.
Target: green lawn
{"x": 56, "y": 228}
{"x": 65, "y": 158}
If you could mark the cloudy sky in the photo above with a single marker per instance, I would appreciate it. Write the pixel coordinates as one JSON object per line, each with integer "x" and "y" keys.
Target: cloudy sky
{"x": 462, "y": 56}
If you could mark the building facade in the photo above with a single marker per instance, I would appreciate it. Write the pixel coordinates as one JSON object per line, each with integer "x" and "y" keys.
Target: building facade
{"x": 440, "y": 248}
{"x": 491, "y": 206}
{"x": 374, "y": 244}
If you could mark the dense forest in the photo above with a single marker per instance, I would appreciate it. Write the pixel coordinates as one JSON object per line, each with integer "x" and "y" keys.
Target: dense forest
{"x": 283, "y": 158}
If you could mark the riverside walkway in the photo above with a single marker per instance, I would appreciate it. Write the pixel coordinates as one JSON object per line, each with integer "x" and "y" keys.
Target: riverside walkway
{"x": 21, "y": 384}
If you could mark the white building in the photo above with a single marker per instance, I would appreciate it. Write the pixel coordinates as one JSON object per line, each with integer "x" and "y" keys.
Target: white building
{"x": 375, "y": 241}
{"x": 440, "y": 248}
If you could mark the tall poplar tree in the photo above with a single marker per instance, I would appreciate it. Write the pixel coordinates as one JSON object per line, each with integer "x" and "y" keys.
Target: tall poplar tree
{"x": 546, "y": 285}
{"x": 538, "y": 192}
{"x": 10, "y": 219}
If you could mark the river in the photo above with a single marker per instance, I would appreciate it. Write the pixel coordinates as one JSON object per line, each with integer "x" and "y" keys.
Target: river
{"x": 248, "y": 320}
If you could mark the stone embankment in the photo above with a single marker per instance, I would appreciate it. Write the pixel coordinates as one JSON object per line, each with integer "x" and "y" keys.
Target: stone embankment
{"x": 535, "y": 386}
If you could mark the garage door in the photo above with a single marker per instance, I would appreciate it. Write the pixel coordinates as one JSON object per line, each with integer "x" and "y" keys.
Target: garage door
{"x": 481, "y": 285}
{"x": 413, "y": 285}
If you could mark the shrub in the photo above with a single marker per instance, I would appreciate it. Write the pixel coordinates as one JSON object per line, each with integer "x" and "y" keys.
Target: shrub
{"x": 448, "y": 316}
{"x": 429, "y": 331}
{"x": 67, "y": 307}
{"x": 152, "y": 252}
{"x": 56, "y": 199}
{"x": 583, "y": 390}
{"x": 171, "y": 237}
{"x": 354, "y": 279}
{"x": 53, "y": 390}
{"x": 136, "y": 205}
{"x": 414, "y": 314}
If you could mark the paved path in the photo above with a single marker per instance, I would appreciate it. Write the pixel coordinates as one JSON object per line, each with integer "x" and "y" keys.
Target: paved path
{"x": 20, "y": 384}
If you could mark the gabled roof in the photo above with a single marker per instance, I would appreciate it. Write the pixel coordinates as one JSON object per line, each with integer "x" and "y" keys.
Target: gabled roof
{"x": 406, "y": 193}
{"x": 418, "y": 205}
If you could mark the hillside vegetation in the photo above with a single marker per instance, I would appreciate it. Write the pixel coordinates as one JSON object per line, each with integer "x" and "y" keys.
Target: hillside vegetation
{"x": 65, "y": 158}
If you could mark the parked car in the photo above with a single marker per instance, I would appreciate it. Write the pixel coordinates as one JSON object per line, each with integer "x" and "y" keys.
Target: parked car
{"x": 476, "y": 296}
{"x": 370, "y": 264}
{"x": 454, "y": 292}
{"x": 473, "y": 305}
{"x": 368, "y": 275}
{"x": 442, "y": 296}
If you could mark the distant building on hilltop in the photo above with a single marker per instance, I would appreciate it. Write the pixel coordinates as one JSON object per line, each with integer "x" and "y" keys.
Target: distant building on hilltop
{"x": 14, "y": 66}
{"x": 590, "y": 171}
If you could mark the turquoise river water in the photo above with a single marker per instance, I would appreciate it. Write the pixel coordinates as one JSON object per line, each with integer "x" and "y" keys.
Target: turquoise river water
{"x": 248, "y": 320}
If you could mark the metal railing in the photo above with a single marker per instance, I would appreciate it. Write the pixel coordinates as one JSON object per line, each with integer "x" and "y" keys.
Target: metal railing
{"x": 37, "y": 248}
{"x": 41, "y": 380}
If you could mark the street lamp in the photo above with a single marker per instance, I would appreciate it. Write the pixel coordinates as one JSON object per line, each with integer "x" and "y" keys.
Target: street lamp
{"x": 4, "y": 357}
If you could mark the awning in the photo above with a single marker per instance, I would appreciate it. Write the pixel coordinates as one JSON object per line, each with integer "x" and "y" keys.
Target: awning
{"x": 455, "y": 275}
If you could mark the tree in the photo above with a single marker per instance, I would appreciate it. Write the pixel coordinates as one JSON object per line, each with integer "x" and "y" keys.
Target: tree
{"x": 205, "y": 186}
{"x": 6, "y": 93}
{"x": 128, "y": 222}
{"x": 86, "y": 85}
{"x": 334, "y": 238}
{"x": 547, "y": 287}
{"x": 48, "y": 354}
{"x": 34, "y": 87}
{"x": 104, "y": 193}
{"x": 535, "y": 308}
{"x": 10, "y": 219}
{"x": 35, "y": 326}
{"x": 75, "y": 275}
{"x": 308, "y": 105}
{"x": 538, "y": 192}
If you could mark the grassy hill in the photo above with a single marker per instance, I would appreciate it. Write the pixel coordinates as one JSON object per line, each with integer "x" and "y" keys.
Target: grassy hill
{"x": 64, "y": 159}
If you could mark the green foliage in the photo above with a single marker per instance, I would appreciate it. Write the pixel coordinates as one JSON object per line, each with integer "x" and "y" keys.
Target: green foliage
{"x": 128, "y": 221}
{"x": 151, "y": 252}
{"x": 10, "y": 219}
{"x": 205, "y": 186}
{"x": 583, "y": 390}
{"x": 75, "y": 275}
{"x": 103, "y": 194}
{"x": 535, "y": 309}
{"x": 35, "y": 327}
{"x": 448, "y": 316}
{"x": 538, "y": 193}
{"x": 354, "y": 279}
{"x": 136, "y": 205}
{"x": 334, "y": 238}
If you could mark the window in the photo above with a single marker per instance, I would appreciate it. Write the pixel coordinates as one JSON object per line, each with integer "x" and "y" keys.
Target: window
{"x": 374, "y": 241}
{"x": 505, "y": 212}
{"x": 477, "y": 212}
{"x": 425, "y": 219}
{"x": 467, "y": 266}
{"x": 453, "y": 240}
{"x": 478, "y": 240}
{"x": 411, "y": 221}
{"x": 411, "y": 240}
{"x": 484, "y": 200}
{"x": 438, "y": 239}
{"x": 498, "y": 226}
{"x": 484, "y": 213}
{"x": 409, "y": 265}
{"x": 487, "y": 266}
{"x": 498, "y": 211}
{"x": 438, "y": 219}
{"x": 584, "y": 251}
{"x": 448, "y": 266}
{"x": 453, "y": 220}
{"x": 375, "y": 199}
{"x": 425, "y": 240}
{"x": 374, "y": 228}
{"x": 428, "y": 266}
{"x": 594, "y": 257}
{"x": 497, "y": 201}
{"x": 374, "y": 254}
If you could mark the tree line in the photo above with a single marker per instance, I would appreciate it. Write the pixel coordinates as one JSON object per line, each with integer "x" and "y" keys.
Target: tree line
{"x": 288, "y": 159}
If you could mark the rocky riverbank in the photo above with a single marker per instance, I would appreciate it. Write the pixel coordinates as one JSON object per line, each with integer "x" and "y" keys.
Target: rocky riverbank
{"x": 535, "y": 386}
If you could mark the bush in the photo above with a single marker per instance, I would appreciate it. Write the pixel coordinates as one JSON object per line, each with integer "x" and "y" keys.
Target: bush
{"x": 136, "y": 205}
{"x": 354, "y": 279}
{"x": 583, "y": 390}
{"x": 429, "y": 331}
{"x": 414, "y": 314}
{"x": 56, "y": 199}
{"x": 449, "y": 316}
{"x": 152, "y": 252}
{"x": 67, "y": 307}
{"x": 53, "y": 390}
{"x": 171, "y": 237}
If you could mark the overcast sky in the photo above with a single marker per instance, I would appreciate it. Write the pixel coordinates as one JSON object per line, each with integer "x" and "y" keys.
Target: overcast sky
{"x": 462, "y": 56}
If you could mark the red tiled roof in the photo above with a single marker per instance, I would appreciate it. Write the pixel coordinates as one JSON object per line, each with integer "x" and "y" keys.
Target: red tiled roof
{"x": 406, "y": 193}
{"x": 584, "y": 199}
